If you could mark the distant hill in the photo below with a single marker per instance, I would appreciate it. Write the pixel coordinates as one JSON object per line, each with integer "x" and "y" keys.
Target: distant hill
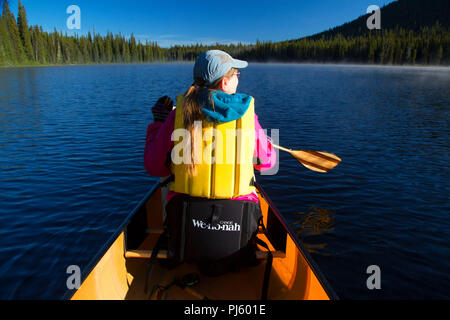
{"x": 413, "y": 32}
{"x": 411, "y": 15}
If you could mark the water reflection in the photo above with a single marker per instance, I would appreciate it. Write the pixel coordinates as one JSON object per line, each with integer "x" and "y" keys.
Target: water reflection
{"x": 315, "y": 222}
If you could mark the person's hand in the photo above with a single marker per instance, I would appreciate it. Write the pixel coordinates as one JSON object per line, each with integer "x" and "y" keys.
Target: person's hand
{"x": 162, "y": 108}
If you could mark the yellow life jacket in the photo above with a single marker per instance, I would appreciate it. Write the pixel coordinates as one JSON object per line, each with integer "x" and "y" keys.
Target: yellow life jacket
{"x": 224, "y": 165}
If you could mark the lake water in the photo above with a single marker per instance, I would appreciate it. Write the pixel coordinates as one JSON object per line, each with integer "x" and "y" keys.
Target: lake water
{"x": 71, "y": 168}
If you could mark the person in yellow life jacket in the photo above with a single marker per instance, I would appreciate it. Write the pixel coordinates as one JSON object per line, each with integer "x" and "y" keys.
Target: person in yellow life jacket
{"x": 213, "y": 210}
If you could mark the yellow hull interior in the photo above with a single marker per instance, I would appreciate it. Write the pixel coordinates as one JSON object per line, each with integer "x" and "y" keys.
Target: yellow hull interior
{"x": 118, "y": 277}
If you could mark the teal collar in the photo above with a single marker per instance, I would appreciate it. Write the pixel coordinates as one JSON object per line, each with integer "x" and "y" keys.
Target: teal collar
{"x": 220, "y": 107}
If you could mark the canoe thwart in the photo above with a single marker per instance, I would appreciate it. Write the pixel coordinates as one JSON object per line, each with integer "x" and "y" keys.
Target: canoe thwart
{"x": 162, "y": 254}
{"x": 145, "y": 254}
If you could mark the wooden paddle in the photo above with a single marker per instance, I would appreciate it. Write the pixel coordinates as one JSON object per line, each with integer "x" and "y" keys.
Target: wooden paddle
{"x": 318, "y": 161}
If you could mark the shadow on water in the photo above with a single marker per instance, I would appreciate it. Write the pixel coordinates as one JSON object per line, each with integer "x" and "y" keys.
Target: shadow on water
{"x": 311, "y": 224}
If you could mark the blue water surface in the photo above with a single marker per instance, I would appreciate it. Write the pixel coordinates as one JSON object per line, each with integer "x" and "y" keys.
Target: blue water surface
{"x": 71, "y": 168}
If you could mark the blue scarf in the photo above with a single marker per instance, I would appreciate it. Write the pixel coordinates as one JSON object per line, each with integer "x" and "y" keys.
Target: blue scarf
{"x": 227, "y": 107}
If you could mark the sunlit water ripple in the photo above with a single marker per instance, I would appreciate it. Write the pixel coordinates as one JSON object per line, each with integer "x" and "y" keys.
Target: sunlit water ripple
{"x": 71, "y": 167}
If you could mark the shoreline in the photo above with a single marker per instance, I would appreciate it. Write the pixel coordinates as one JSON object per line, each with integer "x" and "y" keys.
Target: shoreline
{"x": 337, "y": 64}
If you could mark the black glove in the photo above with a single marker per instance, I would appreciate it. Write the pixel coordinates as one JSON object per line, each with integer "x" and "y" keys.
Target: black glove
{"x": 162, "y": 108}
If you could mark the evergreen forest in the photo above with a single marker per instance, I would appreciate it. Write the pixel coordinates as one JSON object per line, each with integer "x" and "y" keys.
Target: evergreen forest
{"x": 414, "y": 32}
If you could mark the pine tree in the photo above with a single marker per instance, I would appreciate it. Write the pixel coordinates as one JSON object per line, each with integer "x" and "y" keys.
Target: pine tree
{"x": 95, "y": 50}
{"x": 439, "y": 55}
{"x": 149, "y": 51}
{"x": 133, "y": 49}
{"x": 108, "y": 48}
{"x": 24, "y": 32}
{"x": 42, "y": 55}
{"x": 7, "y": 55}
{"x": 116, "y": 49}
{"x": 125, "y": 51}
{"x": 51, "y": 48}
{"x": 13, "y": 31}
{"x": 3, "y": 58}
{"x": 84, "y": 47}
{"x": 58, "y": 48}
{"x": 34, "y": 34}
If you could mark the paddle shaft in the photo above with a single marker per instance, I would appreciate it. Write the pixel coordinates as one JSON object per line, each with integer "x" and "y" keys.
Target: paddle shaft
{"x": 313, "y": 160}
{"x": 282, "y": 148}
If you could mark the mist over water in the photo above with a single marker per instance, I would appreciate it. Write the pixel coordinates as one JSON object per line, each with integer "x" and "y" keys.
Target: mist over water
{"x": 71, "y": 168}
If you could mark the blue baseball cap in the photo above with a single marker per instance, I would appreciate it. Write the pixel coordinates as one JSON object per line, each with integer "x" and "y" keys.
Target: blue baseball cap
{"x": 214, "y": 64}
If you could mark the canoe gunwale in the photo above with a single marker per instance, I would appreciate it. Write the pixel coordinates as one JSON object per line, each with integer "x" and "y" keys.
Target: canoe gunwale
{"x": 301, "y": 248}
{"x": 102, "y": 251}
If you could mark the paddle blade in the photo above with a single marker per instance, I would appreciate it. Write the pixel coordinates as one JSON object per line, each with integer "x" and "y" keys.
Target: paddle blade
{"x": 317, "y": 160}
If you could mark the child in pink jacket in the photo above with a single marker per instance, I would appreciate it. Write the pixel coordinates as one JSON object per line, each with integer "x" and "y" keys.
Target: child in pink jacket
{"x": 227, "y": 106}
{"x": 159, "y": 146}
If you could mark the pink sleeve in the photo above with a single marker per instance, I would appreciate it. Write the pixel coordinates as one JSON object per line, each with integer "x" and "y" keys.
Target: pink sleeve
{"x": 263, "y": 149}
{"x": 158, "y": 146}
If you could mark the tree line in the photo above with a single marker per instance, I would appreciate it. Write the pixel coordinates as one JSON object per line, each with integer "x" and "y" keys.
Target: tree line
{"x": 21, "y": 44}
{"x": 396, "y": 46}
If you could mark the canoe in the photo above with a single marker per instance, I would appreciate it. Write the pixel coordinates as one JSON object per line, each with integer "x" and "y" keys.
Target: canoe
{"x": 119, "y": 270}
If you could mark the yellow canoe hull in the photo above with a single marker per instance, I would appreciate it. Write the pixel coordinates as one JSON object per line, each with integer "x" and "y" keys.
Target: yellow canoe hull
{"x": 119, "y": 271}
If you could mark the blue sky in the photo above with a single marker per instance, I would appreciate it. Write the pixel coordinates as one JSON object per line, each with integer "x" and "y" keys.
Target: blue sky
{"x": 186, "y": 22}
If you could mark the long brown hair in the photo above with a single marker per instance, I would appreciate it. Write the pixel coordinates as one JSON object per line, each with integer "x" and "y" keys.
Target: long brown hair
{"x": 192, "y": 112}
